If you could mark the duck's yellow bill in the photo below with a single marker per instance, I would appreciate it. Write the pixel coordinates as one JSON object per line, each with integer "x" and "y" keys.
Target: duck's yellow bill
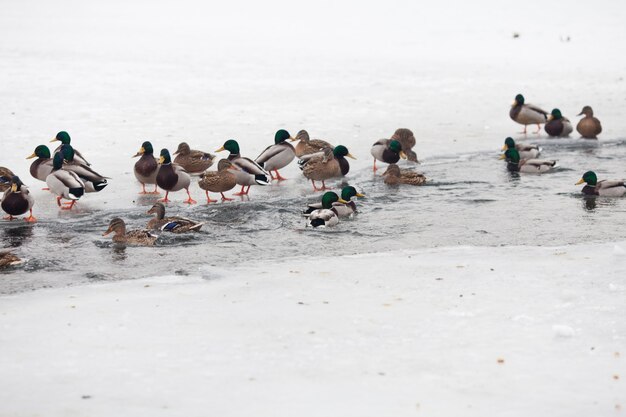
{"x": 402, "y": 155}
{"x": 550, "y": 117}
{"x": 292, "y": 139}
{"x": 350, "y": 156}
{"x": 220, "y": 149}
{"x": 580, "y": 181}
{"x": 33, "y": 155}
{"x": 13, "y": 187}
{"x": 342, "y": 201}
{"x": 53, "y": 140}
{"x": 360, "y": 195}
{"x": 504, "y": 147}
{"x": 161, "y": 160}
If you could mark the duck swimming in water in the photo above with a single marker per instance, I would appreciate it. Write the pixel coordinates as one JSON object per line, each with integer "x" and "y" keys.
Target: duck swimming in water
{"x": 606, "y": 188}
{"x": 131, "y": 237}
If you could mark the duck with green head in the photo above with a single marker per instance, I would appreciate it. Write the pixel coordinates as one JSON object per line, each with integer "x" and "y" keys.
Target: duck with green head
{"x": 17, "y": 200}
{"x": 172, "y": 177}
{"x": 146, "y": 167}
{"x": 93, "y": 181}
{"x": 525, "y": 151}
{"x": 322, "y": 166}
{"x": 532, "y": 166}
{"x": 250, "y": 173}
{"x": 327, "y": 215}
{"x": 342, "y": 209}
{"x": 64, "y": 184}
{"x": 589, "y": 126}
{"x": 278, "y": 155}
{"x": 607, "y": 188}
{"x": 65, "y": 139}
{"x": 42, "y": 166}
{"x": 388, "y": 151}
{"x": 558, "y": 126}
{"x": 527, "y": 114}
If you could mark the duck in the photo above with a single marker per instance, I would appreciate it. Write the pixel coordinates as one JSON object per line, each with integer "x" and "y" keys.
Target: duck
{"x": 131, "y": 237}
{"x": 172, "y": 177}
{"x": 250, "y": 173}
{"x": 193, "y": 161}
{"x": 93, "y": 181}
{"x": 327, "y": 215}
{"x": 278, "y": 155}
{"x": 608, "y": 188}
{"x": 307, "y": 146}
{"x": 394, "y": 176}
{"x": 525, "y": 151}
{"x": 321, "y": 166}
{"x": 65, "y": 184}
{"x": 17, "y": 201}
{"x": 8, "y": 259}
{"x": 407, "y": 139}
{"x": 65, "y": 139}
{"x": 558, "y": 126}
{"x": 527, "y": 114}
{"x": 174, "y": 224}
{"x": 589, "y": 127}
{"x": 146, "y": 168}
{"x": 220, "y": 181}
{"x": 5, "y": 179}
{"x": 531, "y": 166}
{"x": 388, "y": 151}
{"x": 42, "y": 166}
{"x": 342, "y": 209}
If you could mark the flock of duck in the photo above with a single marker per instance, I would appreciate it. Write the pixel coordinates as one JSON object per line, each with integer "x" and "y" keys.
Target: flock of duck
{"x": 69, "y": 176}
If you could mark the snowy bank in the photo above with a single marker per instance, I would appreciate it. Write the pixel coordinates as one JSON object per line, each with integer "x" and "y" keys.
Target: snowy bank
{"x": 447, "y": 332}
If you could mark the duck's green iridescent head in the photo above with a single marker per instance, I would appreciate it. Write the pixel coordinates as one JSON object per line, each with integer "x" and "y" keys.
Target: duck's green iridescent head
{"x": 519, "y": 99}
{"x": 556, "y": 114}
{"x": 341, "y": 151}
{"x": 147, "y": 148}
{"x": 348, "y": 192}
{"x": 165, "y": 157}
{"x": 512, "y": 155}
{"x": 57, "y": 161}
{"x": 231, "y": 146}
{"x": 329, "y": 198}
{"x": 590, "y": 178}
{"x": 509, "y": 143}
{"x": 62, "y": 137}
{"x": 281, "y": 136}
{"x": 395, "y": 146}
{"x": 68, "y": 152}
{"x": 41, "y": 151}
{"x": 16, "y": 183}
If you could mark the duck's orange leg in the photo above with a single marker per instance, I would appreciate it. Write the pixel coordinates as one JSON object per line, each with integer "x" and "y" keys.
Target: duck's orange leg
{"x": 31, "y": 218}
{"x": 189, "y": 200}
{"x": 165, "y": 200}
{"x": 278, "y": 176}
{"x": 224, "y": 198}
{"x": 208, "y": 199}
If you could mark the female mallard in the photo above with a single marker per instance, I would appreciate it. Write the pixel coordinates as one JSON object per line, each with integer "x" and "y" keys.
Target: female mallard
{"x": 307, "y": 146}
{"x": 608, "y": 188}
{"x": 527, "y": 114}
{"x": 407, "y": 139}
{"x": 172, "y": 177}
{"x": 172, "y": 224}
{"x": 93, "y": 181}
{"x": 65, "y": 139}
{"x": 132, "y": 237}
{"x": 525, "y": 151}
{"x": 589, "y": 127}
{"x": 42, "y": 166}
{"x": 5, "y": 178}
{"x": 8, "y": 259}
{"x": 388, "y": 151}
{"x": 220, "y": 181}
{"x": 327, "y": 215}
{"x": 558, "y": 126}
{"x": 394, "y": 176}
{"x": 325, "y": 165}
{"x": 65, "y": 184}
{"x": 146, "y": 167}
{"x": 277, "y": 156}
{"x": 250, "y": 173}
{"x": 17, "y": 201}
{"x": 342, "y": 209}
{"x": 193, "y": 161}
{"x": 532, "y": 166}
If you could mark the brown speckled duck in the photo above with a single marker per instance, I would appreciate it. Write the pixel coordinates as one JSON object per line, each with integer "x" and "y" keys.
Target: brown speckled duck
{"x": 8, "y": 259}
{"x": 220, "y": 181}
{"x": 193, "y": 161}
{"x": 589, "y": 127}
{"x": 174, "y": 224}
{"x": 5, "y": 179}
{"x": 132, "y": 237}
{"x": 325, "y": 165}
{"x": 307, "y": 146}
{"x": 407, "y": 139}
{"x": 394, "y": 176}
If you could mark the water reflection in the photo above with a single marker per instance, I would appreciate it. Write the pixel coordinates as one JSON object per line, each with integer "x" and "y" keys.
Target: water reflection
{"x": 16, "y": 236}
{"x": 589, "y": 203}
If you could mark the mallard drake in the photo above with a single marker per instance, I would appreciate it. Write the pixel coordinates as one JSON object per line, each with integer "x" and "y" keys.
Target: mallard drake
{"x": 65, "y": 184}
{"x": 132, "y": 237}
{"x": 193, "y": 161}
{"x": 146, "y": 167}
{"x": 325, "y": 165}
{"x": 5, "y": 178}
{"x": 525, "y": 151}
{"x": 93, "y": 181}
{"x": 42, "y": 166}
{"x": 220, "y": 181}
{"x": 172, "y": 177}
{"x": 558, "y": 126}
{"x": 250, "y": 172}
{"x": 527, "y": 114}
{"x": 388, "y": 151}
{"x": 277, "y": 156}
{"x": 174, "y": 224}
{"x": 608, "y": 188}
{"x": 394, "y": 176}
{"x": 589, "y": 127}
{"x": 326, "y": 216}
{"x": 8, "y": 259}
{"x": 17, "y": 200}
{"x": 532, "y": 166}
{"x": 307, "y": 146}
{"x": 65, "y": 139}
{"x": 407, "y": 139}
{"x": 342, "y": 209}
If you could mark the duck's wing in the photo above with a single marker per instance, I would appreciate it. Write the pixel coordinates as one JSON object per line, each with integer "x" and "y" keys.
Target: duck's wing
{"x": 537, "y": 109}
{"x": 60, "y": 181}
{"x": 249, "y": 166}
{"x": 311, "y": 208}
{"x": 180, "y": 225}
{"x": 78, "y": 157}
{"x": 323, "y": 217}
{"x": 269, "y": 152}
{"x": 606, "y": 184}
